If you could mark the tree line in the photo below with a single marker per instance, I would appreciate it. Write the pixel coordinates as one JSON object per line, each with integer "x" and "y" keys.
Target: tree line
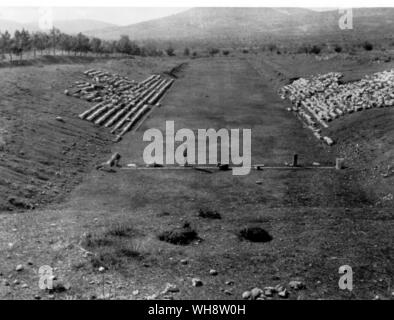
{"x": 53, "y": 41}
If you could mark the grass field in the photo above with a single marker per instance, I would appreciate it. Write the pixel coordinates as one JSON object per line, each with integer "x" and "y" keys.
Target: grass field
{"x": 318, "y": 219}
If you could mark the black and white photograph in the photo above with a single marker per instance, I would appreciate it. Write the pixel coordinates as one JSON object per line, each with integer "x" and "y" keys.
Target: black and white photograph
{"x": 229, "y": 152}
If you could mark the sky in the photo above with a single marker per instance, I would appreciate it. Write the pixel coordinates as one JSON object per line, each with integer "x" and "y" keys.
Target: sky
{"x": 115, "y": 15}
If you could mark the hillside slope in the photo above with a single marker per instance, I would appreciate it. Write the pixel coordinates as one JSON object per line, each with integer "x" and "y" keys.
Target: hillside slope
{"x": 241, "y": 24}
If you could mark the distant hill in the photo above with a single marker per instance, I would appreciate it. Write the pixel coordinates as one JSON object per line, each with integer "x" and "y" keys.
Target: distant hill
{"x": 235, "y": 24}
{"x": 66, "y": 26}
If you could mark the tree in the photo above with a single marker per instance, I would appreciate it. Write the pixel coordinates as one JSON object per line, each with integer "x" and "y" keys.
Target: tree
{"x": 24, "y": 42}
{"x": 5, "y": 43}
{"x": 170, "y": 51}
{"x": 186, "y": 52}
{"x": 109, "y": 47}
{"x": 124, "y": 45}
{"x": 95, "y": 45}
{"x": 66, "y": 42}
{"x": 16, "y": 46}
{"x": 82, "y": 43}
{"x": 39, "y": 41}
{"x": 55, "y": 37}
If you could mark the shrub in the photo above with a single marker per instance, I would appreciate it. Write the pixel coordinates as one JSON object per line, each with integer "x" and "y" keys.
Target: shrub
{"x": 209, "y": 214}
{"x": 170, "y": 51}
{"x": 225, "y": 52}
{"x": 181, "y": 236}
{"x": 315, "y": 49}
{"x": 213, "y": 51}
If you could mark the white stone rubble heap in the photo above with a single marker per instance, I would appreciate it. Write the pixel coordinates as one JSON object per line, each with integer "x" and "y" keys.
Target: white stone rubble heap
{"x": 323, "y": 98}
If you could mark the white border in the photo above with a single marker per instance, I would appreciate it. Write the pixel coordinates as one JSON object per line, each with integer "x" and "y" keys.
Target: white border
{"x": 200, "y": 3}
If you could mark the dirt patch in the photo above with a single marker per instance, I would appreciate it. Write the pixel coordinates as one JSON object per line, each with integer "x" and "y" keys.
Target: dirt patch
{"x": 209, "y": 214}
{"x": 255, "y": 234}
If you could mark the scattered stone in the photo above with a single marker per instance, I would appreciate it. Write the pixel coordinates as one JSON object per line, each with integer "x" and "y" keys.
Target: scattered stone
{"x": 246, "y": 295}
{"x": 255, "y": 293}
{"x": 283, "y": 294}
{"x": 259, "y": 182}
{"x": 184, "y": 261}
{"x": 106, "y": 296}
{"x": 213, "y": 272}
{"x": 196, "y": 282}
{"x": 19, "y": 267}
{"x": 277, "y": 288}
{"x": 59, "y": 119}
{"x": 316, "y": 164}
{"x": 25, "y": 285}
{"x": 229, "y": 282}
{"x": 16, "y": 282}
{"x": 30, "y": 263}
{"x": 6, "y": 283}
{"x": 101, "y": 269}
{"x": 268, "y": 292}
{"x": 135, "y": 292}
{"x": 296, "y": 285}
{"x": 172, "y": 288}
{"x": 152, "y": 296}
{"x": 37, "y": 297}
{"x": 228, "y": 292}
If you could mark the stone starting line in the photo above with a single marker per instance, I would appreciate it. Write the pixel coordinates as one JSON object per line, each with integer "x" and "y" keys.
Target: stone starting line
{"x": 202, "y": 168}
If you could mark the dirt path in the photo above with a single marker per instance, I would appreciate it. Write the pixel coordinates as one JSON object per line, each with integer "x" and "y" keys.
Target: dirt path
{"x": 315, "y": 225}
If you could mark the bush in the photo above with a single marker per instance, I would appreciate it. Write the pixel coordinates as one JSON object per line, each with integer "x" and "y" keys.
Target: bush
{"x": 186, "y": 52}
{"x": 315, "y": 49}
{"x": 225, "y": 52}
{"x": 209, "y": 214}
{"x": 213, "y": 51}
{"x": 170, "y": 51}
{"x": 181, "y": 236}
